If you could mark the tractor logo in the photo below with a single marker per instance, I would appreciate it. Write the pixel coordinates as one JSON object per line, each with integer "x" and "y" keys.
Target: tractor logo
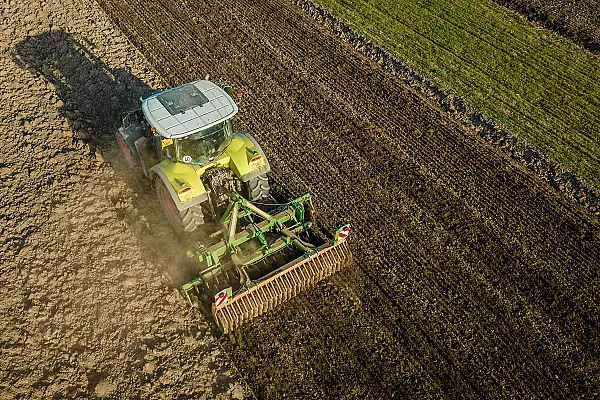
{"x": 223, "y": 297}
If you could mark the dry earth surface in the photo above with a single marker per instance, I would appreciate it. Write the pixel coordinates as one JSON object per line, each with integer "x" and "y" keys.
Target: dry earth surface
{"x": 88, "y": 300}
{"x": 475, "y": 278}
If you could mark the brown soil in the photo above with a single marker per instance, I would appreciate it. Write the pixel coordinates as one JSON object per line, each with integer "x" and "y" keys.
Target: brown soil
{"x": 89, "y": 302}
{"x": 473, "y": 278}
{"x": 480, "y": 279}
{"x": 578, "y": 20}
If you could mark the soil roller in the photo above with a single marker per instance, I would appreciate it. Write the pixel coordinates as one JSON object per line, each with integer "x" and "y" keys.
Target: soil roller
{"x": 261, "y": 257}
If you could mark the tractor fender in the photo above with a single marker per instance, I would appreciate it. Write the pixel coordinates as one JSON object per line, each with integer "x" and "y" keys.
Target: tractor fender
{"x": 126, "y": 138}
{"x": 258, "y": 171}
{"x": 158, "y": 172}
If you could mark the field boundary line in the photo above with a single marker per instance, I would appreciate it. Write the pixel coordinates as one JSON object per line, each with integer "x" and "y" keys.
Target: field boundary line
{"x": 516, "y": 147}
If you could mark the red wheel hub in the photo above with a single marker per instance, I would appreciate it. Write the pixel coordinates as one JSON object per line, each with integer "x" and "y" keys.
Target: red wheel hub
{"x": 169, "y": 203}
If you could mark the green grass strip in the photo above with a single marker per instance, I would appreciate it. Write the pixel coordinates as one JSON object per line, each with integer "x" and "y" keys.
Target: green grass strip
{"x": 536, "y": 84}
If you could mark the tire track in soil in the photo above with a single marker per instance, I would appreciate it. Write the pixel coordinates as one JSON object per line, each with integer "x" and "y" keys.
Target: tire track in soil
{"x": 464, "y": 216}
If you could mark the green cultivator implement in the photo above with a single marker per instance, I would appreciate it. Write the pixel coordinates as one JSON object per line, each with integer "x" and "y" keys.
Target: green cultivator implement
{"x": 262, "y": 259}
{"x": 207, "y": 174}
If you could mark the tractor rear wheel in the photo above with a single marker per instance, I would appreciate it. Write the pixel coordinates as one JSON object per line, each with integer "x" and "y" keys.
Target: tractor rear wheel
{"x": 258, "y": 188}
{"x": 185, "y": 221}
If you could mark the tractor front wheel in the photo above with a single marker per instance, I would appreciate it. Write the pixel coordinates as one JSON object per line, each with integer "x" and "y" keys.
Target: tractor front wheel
{"x": 128, "y": 149}
{"x": 185, "y": 221}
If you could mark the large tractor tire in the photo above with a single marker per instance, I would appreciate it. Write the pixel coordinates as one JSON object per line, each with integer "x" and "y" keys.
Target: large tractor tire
{"x": 258, "y": 188}
{"x": 185, "y": 221}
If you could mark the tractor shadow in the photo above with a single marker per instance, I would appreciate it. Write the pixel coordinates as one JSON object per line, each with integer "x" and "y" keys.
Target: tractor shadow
{"x": 94, "y": 97}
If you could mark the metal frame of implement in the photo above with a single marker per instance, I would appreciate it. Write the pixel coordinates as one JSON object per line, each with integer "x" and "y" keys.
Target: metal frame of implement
{"x": 258, "y": 296}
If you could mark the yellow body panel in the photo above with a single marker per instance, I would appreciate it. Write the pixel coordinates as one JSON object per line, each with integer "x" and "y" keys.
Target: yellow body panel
{"x": 181, "y": 176}
{"x": 236, "y": 157}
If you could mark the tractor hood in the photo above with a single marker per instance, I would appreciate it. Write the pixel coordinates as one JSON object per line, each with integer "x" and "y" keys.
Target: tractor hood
{"x": 188, "y": 109}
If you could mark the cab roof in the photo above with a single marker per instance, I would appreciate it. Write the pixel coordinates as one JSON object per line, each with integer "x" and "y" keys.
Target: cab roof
{"x": 188, "y": 109}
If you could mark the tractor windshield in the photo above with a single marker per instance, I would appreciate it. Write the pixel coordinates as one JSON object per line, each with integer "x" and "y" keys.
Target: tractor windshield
{"x": 201, "y": 147}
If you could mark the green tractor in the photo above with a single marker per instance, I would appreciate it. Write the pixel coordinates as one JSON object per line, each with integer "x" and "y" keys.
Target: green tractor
{"x": 259, "y": 248}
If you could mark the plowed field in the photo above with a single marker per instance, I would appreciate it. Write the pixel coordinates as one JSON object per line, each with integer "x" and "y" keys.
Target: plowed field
{"x": 474, "y": 279}
{"x": 579, "y": 19}
{"x": 88, "y": 307}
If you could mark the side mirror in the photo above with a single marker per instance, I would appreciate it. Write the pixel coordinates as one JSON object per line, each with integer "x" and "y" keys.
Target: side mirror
{"x": 228, "y": 90}
{"x": 126, "y": 121}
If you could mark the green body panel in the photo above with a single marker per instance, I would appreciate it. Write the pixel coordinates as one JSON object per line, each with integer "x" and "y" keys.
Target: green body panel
{"x": 237, "y": 157}
{"x": 293, "y": 214}
{"x": 240, "y": 151}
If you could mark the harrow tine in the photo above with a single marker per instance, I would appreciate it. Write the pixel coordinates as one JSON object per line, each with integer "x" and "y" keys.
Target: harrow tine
{"x": 291, "y": 281}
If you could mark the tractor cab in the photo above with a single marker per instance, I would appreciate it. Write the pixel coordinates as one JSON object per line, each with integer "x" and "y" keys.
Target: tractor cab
{"x": 200, "y": 147}
{"x": 193, "y": 121}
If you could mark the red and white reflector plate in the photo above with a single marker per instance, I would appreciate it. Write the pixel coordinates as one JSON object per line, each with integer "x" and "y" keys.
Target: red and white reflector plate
{"x": 343, "y": 232}
{"x": 223, "y": 296}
